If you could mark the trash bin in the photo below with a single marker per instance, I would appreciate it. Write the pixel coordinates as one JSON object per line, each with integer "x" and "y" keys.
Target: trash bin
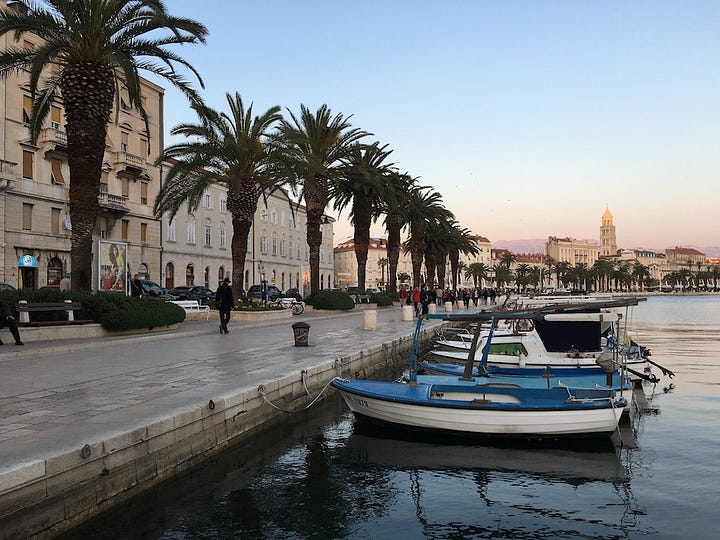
{"x": 301, "y": 332}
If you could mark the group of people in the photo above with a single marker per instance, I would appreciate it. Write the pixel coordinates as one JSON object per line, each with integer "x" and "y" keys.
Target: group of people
{"x": 421, "y": 297}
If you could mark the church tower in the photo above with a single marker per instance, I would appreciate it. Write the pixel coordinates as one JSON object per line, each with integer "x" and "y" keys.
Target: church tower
{"x": 608, "y": 240}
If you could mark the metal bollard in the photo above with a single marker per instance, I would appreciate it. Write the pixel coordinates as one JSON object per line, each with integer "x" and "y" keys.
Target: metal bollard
{"x": 301, "y": 332}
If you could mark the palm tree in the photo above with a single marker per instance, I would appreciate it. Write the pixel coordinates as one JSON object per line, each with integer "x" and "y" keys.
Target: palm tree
{"x": 361, "y": 187}
{"x": 640, "y": 273}
{"x": 382, "y": 264}
{"x": 88, "y": 47}
{"x": 463, "y": 242}
{"x": 396, "y": 189}
{"x": 522, "y": 275}
{"x": 603, "y": 269}
{"x": 503, "y": 275}
{"x": 508, "y": 259}
{"x": 422, "y": 207}
{"x": 235, "y": 149}
{"x": 478, "y": 272}
{"x": 315, "y": 146}
{"x": 561, "y": 270}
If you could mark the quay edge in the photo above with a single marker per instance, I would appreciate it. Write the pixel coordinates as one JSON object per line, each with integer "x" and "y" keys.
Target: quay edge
{"x": 41, "y": 498}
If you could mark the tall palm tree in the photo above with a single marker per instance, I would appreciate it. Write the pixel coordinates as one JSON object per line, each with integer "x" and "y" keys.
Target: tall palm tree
{"x": 235, "y": 149}
{"x": 640, "y": 273}
{"x": 604, "y": 268}
{"x": 423, "y": 206}
{"x": 478, "y": 272}
{"x": 361, "y": 186}
{"x": 316, "y": 146}
{"x": 396, "y": 189}
{"x": 461, "y": 241}
{"x": 382, "y": 264}
{"x": 88, "y": 47}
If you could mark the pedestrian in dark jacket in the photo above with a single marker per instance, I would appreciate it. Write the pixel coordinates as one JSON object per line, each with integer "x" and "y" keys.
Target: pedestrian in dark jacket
{"x": 7, "y": 318}
{"x": 225, "y": 302}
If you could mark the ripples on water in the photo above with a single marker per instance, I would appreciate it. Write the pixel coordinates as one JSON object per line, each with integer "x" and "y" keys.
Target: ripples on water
{"x": 322, "y": 476}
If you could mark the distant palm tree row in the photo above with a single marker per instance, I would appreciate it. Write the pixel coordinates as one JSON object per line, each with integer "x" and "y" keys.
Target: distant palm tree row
{"x": 604, "y": 275}
{"x": 94, "y": 46}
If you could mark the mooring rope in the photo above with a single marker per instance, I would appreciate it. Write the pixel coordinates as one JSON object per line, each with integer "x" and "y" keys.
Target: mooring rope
{"x": 261, "y": 389}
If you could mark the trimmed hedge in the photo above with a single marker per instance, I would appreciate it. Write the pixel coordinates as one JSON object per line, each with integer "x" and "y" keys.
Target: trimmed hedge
{"x": 334, "y": 300}
{"x": 381, "y": 299}
{"x": 114, "y": 311}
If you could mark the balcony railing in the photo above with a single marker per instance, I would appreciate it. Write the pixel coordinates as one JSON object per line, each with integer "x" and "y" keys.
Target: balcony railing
{"x": 129, "y": 160}
{"x": 54, "y": 136}
{"x": 113, "y": 202}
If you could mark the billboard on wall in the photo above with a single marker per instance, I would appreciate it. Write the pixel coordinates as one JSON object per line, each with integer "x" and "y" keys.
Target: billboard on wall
{"x": 113, "y": 266}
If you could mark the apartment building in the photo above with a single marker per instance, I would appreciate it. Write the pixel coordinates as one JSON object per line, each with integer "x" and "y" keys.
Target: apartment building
{"x": 197, "y": 244}
{"x": 376, "y": 268}
{"x": 34, "y": 187}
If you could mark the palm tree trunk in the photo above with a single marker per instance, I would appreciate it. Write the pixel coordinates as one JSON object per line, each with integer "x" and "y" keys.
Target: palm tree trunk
{"x": 394, "y": 226}
{"x": 361, "y": 239}
{"x": 88, "y": 92}
{"x": 239, "y": 248}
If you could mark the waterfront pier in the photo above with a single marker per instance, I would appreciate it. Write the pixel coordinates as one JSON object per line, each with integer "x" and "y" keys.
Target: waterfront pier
{"x": 88, "y": 422}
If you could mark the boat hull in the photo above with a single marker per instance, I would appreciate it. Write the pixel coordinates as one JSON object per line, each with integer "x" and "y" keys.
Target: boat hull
{"x": 485, "y": 412}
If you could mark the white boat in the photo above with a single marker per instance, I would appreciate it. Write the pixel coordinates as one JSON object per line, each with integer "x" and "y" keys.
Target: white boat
{"x": 489, "y": 410}
{"x": 561, "y": 336}
{"x": 526, "y": 413}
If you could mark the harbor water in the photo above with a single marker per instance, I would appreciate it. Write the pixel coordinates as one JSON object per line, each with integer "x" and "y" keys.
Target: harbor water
{"x": 320, "y": 475}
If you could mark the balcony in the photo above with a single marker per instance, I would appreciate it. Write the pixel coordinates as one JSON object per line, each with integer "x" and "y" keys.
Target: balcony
{"x": 114, "y": 204}
{"x": 55, "y": 140}
{"x": 131, "y": 166}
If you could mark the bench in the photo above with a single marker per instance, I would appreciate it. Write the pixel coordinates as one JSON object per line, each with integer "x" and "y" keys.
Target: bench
{"x": 362, "y": 298}
{"x": 24, "y": 308}
{"x": 192, "y": 306}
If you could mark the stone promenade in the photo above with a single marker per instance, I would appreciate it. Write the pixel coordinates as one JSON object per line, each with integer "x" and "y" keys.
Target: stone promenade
{"x": 73, "y": 412}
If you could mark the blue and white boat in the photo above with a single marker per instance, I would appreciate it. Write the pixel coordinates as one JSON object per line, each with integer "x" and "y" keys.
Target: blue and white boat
{"x": 490, "y": 410}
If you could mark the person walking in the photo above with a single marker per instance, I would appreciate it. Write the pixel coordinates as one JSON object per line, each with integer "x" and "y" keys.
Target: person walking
{"x": 8, "y": 319}
{"x": 65, "y": 283}
{"x": 225, "y": 302}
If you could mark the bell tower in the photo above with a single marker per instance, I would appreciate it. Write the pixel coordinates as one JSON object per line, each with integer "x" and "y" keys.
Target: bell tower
{"x": 608, "y": 240}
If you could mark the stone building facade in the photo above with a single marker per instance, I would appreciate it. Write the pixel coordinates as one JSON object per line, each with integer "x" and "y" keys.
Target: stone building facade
{"x": 34, "y": 186}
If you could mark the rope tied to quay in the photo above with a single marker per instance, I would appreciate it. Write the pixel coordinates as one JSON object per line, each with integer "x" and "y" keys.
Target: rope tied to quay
{"x": 261, "y": 390}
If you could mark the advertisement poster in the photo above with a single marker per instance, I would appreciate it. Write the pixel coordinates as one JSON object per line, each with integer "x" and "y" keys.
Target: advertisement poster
{"x": 113, "y": 265}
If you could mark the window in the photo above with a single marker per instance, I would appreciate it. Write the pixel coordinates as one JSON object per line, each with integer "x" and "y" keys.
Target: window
{"x": 125, "y": 187}
{"x": 273, "y": 217}
{"x": 264, "y": 245}
{"x": 283, "y": 250}
{"x": 283, "y": 219}
{"x": 55, "y": 221}
{"x": 190, "y": 232}
{"x": 223, "y": 205}
{"x": 143, "y": 192}
{"x": 27, "y": 109}
{"x": 27, "y": 164}
{"x": 143, "y": 233}
{"x": 208, "y": 234}
{"x": 27, "y": 217}
{"x": 171, "y": 231}
{"x": 103, "y": 182}
{"x": 223, "y": 234}
{"x": 124, "y": 141}
{"x": 290, "y": 249}
{"x": 206, "y": 275}
{"x": 263, "y": 215}
{"x": 170, "y": 275}
{"x": 54, "y": 272}
{"x": 189, "y": 275}
{"x": 124, "y": 229}
{"x": 274, "y": 244}
{"x": 56, "y": 175}
{"x": 208, "y": 202}
{"x": 55, "y": 117}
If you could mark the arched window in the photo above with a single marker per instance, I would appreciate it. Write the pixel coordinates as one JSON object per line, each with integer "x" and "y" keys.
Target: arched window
{"x": 54, "y": 272}
{"x": 189, "y": 275}
{"x": 221, "y": 275}
{"x": 170, "y": 276}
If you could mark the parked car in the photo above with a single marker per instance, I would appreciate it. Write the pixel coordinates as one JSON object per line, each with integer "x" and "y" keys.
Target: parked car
{"x": 255, "y": 291}
{"x": 150, "y": 288}
{"x": 6, "y": 286}
{"x": 195, "y": 292}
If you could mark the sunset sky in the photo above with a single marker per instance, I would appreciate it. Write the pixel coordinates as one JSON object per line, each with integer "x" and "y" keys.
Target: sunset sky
{"x": 529, "y": 117}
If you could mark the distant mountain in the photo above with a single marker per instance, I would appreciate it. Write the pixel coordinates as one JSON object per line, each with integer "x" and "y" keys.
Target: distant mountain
{"x": 522, "y": 246}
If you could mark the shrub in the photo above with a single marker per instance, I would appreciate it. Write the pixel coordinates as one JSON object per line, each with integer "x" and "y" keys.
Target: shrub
{"x": 249, "y": 304}
{"x": 114, "y": 311}
{"x": 334, "y": 300}
{"x": 381, "y": 299}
